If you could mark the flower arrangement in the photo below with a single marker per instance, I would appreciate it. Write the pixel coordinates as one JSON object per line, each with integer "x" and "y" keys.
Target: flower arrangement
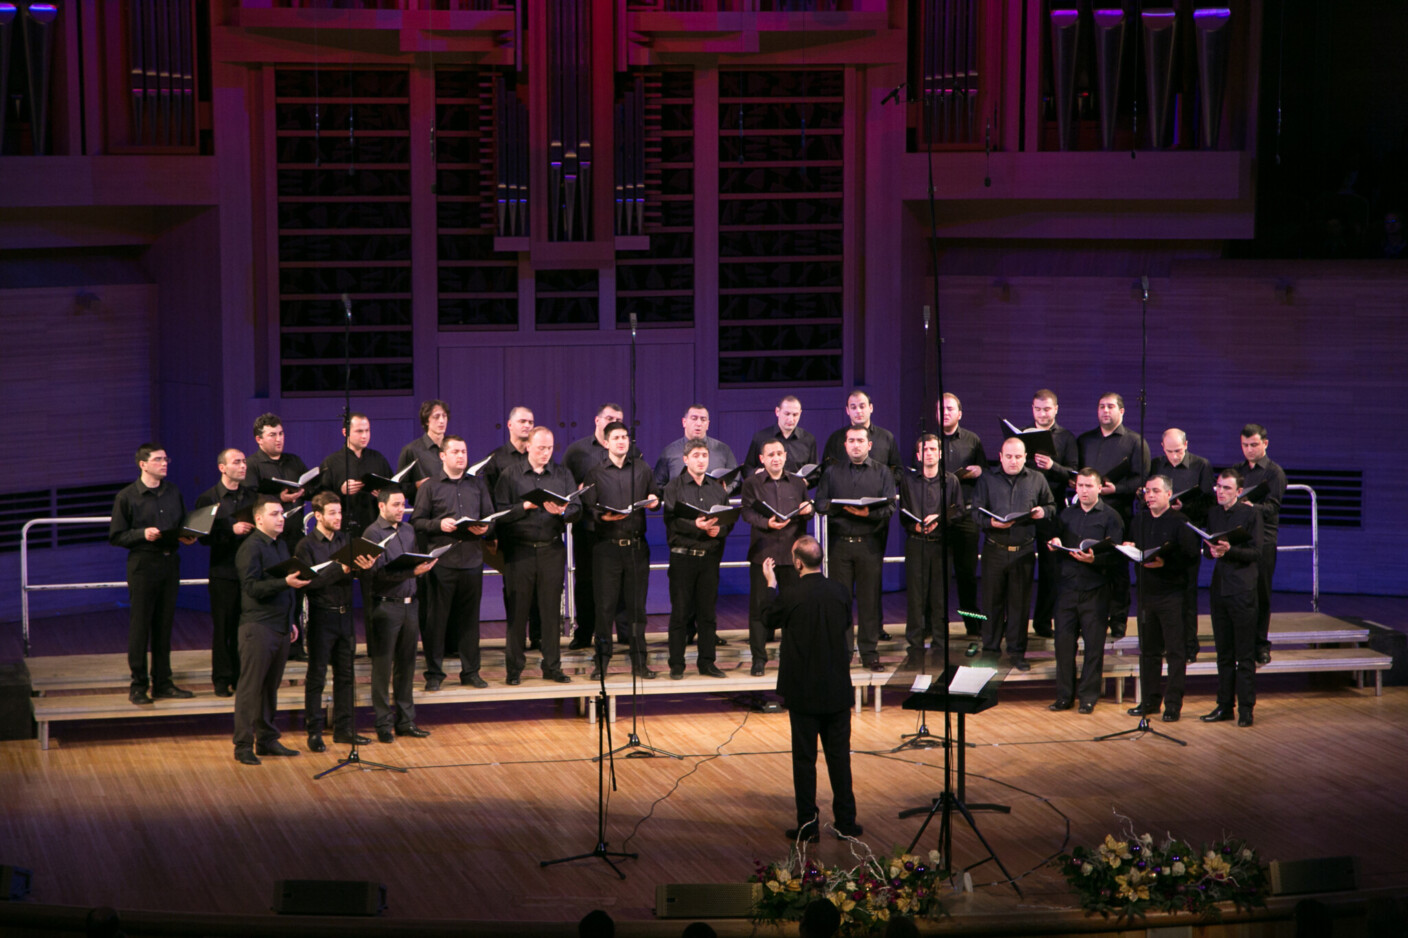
{"x": 867, "y": 894}
{"x": 1133, "y": 876}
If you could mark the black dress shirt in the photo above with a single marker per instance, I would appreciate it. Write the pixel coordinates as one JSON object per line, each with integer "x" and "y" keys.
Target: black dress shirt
{"x": 1195, "y": 473}
{"x": 222, "y": 540}
{"x": 1067, "y": 459}
{"x": 332, "y": 587}
{"x": 621, "y": 487}
{"x": 1169, "y": 528}
{"x": 963, "y": 448}
{"x": 869, "y": 479}
{"x": 1078, "y": 525}
{"x": 359, "y": 510}
{"x": 814, "y": 659}
{"x": 523, "y": 526}
{"x": 584, "y": 455}
{"x": 786, "y": 493}
{"x": 800, "y": 446}
{"x": 401, "y": 584}
{"x": 425, "y": 453}
{"x": 681, "y": 531}
{"x": 1236, "y": 571}
{"x": 266, "y": 600}
{"x": 920, "y": 495}
{"x": 1003, "y": 494}
{"x": 1103, "y": 453}
{"x": 500, "y": 461}
{"x": 671, "y": 462}
{"x": 137, "y": 508}
{"x": 263, "y": 467}
{"x": 1264, "y": 470}
{"x": 882, "y": 448}
{"x": 465, "y": 497}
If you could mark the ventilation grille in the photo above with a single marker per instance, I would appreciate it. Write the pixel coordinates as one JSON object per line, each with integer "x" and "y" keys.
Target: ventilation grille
{"x": 1340, "y": 493}
{"x": 17, "y": 508}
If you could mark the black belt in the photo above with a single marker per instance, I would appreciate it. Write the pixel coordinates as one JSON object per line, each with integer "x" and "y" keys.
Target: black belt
{"x": 340, "y": 610}
{"x": 926, "y": 538}
{"x": 407, "y": 600}
{"x": 619, "y": 542}
{"x": 535, "y": 545}
{"x": 851, "y": 539}
{"x": 1011, "y": 547}
{"x": 689, "y": 552}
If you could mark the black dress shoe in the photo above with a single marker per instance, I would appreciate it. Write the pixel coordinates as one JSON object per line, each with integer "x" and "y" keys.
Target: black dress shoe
{"x": 757, "y": 669}
{"x": 1116, "y": 634}
{"x": 316, "y": 744}
{"x": 274, "y": 748}
{"x": 434, "y": 683}
{"x": 711, "y": 670}
{"x": 597, "y": 673}
{"x": 1244, "y": 718}
{"x": 848, "y": 830}
{"x": 1218, "y": 715}
{"x": 1171, "y": 716}
{"x": 385, "y": 736}
{"x": 1263, "y": 656}
{"x": 677, "y": 674}
{"x": 972, "y": 650}
{"x": 410, "y": 729}
{"x": 1045, "y": 631}
{"x": 577, "y": 644}
{"x": 874, "y": 665}
{"x": 1086, "y": 706}
{"x": 350, "y": 740}
{"x": 223, "y": 690}
{"x": 138, "y": 696}
{"x": 1192, "y": 657}
{"x": 1061, "y": 704}
{"x": 644, "y": 673}
{"x": 513, "y": 680}
{"x": 809, "y": 832}
{"x": 171, "y": 691}
{"x": 556, "y": 677}
{"x": 246, "y": 757}
{"x": 1021, "y": 664}
{"x": 474, "y": 680}
{"x": 1143, "y": 710}
{"x": 534, "y": 644}
{"x": 885, "y": 636}
{"x": 720, "y": 640}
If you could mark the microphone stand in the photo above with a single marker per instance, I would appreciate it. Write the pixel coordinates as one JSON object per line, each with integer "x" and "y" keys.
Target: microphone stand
{"x": 638, "y": 749}
{"x": 352, "y": 758}
{"x": 1143, "y": 726}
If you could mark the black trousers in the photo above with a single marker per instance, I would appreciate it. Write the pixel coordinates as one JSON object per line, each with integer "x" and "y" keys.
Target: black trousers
{"x": 694, "y": 594}
{"x": 534, "y": 576}
{"x": 263, "y": 653}
{"x": 1161, "y": 636}
{"x": 391, "y": 645}
{"x": 330, "y": 641}
{"x": 925, "y": 595}
{"x": 225, "y": 632}
{"x": 1234, "y": 624}
{"x": 1007, "y": 594}
{"x": 1118, "y": 575}
{"x": 1048, "y": 583}
{"x": 1265, "y": 570}
{"x": 621, "y": 575}
{"x": 963, "y": 549}
{"x": 834, "y": 729}
{"x": 856, "y": 564}
{"x": 152, "y": 581}
{"x": 452, "y": 596}
{"x": 758, "y": 634}
{"x": 584, "y": 591}
{"x": 1190, "y": 611}
{"x": 1084, "y": 614}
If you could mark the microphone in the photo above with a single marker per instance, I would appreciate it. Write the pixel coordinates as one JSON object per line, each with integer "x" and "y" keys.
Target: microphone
{"x": 894, "y": 94}
{"x": 633, "y": 325}
{"x": 347, "y": 305}
{"x": 987, "y": 165}
{"x": 1144, "y": 285}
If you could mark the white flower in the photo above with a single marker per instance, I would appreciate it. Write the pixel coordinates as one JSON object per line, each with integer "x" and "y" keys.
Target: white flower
{"x": 1147, "y": 840}
{"x": 1246, "y": 853}
{"x": 1087, "y": 868}
{"x": 1178, "y": 868}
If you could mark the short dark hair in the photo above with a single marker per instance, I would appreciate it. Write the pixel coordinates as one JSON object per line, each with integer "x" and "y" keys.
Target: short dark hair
{"x": 609, "y": 405}
{"x": 1119, "y": 399}
{"x": 265, "y": 420}
{"x": 613, "y": 426}
{"x": 382, "y": 494}
{"x": 820, "y": 919}
{"x": 1160, "y": 477}
{"x": 596, "y": 924}
{"x": 1233, "y": 473}
{"x": 220, "y": 459}
{"x": 694, "y": 407}
{"x": 323, "y": 499}
{"x": 1045, "y": 394}
{"x": 865, "y": 430}
{"x": 452, "y": 438}
{"x": 1090, "y": 473}
{"x": 924, "y": 438}
{"x": 144, "y": 452}
{"x": 357, "y": 415}
{"x": 1255, "y": 429}
{"x": 808, "y": 550}
{"x": 693, "y": 445}
{"x": 790, "y": 399}
{"x": 764, "y": 448}
{"x": 699, "y": 930}
{"x": 264, "y": 501}
{"x": 428, "y": 408}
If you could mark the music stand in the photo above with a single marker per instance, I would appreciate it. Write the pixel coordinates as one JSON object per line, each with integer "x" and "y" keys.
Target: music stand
{"x": 939, "y": 697}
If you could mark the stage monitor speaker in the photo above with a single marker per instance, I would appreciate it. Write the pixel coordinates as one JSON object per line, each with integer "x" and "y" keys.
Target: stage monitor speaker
{"x": 1327, "y": 874}
{"x": 706, "y": 900}
{"x": 16, "y": 712}
{"x": 329, "y": 897}
{"x": 14, "y": 883}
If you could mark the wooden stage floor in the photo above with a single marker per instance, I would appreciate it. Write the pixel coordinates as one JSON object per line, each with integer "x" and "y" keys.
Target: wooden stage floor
{"x": 155, "y": 814}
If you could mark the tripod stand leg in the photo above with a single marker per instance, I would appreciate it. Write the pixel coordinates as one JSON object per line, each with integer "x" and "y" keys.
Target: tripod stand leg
{"x": 992, "y": 854}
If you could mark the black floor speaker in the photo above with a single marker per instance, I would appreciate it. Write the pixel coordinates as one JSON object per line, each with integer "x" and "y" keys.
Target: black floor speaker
{"x": 706, "y": 900}
{"x": 329, "y": 897}
{"x": 16, "y": 716}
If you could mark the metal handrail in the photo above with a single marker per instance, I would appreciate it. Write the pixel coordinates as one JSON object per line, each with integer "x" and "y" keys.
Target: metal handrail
{"x": 1313, "y": 546}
